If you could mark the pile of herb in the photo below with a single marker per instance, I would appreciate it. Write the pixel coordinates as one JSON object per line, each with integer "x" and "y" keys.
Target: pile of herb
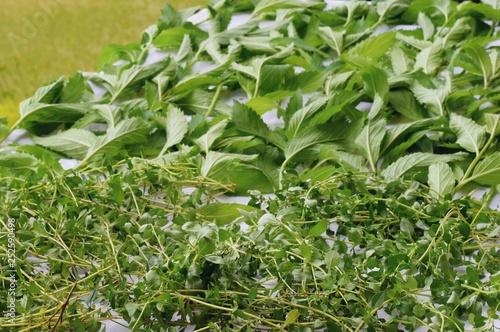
{"x": 356, "y": 132}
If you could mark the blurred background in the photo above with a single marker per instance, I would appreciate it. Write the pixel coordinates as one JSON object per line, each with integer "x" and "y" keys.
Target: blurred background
{"x": 42, "y": 40}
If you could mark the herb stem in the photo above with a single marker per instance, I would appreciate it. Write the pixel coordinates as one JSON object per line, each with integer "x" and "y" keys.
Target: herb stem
{"x": 210, "y": 305}
{"x": 441, "y": 225}
{"x": 113, "y": 250}
{"x": 214, "y": 101}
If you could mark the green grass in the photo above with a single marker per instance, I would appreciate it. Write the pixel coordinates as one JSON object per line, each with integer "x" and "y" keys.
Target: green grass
{"x": 41, "y": 45}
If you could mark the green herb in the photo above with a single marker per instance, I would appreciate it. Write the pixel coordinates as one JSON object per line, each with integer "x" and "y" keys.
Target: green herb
{"x": 377, "y": 135}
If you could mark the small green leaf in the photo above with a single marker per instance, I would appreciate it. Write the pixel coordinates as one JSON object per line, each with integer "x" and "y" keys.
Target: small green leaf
{"x": 369, "y": 50}
{"x": 470, "y": 135}
{"x": 250, "y": 122}
{"x": 487, "y": 171}
{"x": 332, "y": 259}
{"x": 319, "y": 228}
{"x": 300, "y": 117}
{"x": 333, "y": 38}
{"x": 192, "y": 82}
{"x": 74, "y": 143}
{"x": 401, "y": 166}
{"x": 113, "y": 53}
{"x": 169, "y": 17}
{"x": 271, "y": 5}
{"x": 430, "y": 59}
{"x": 492, "y": 122}
{"x": 306, "y": 252}
{"x": 217, "y": 161}
{"x": 130, "y": 131}
{"x": 376, "y": 82}
{"x": 320, "y": 134}
{"x": 426, "y": 24}
{"x": 255, "y": 69}
{"x": 405, "y": 103}
{"x": 473, "y": 276}
{"x": 47, "y": 93}
{"x": 240, "y": 314}
{"x": 400, "y": 61}
{"x": 441, "y": 179}
{"x": 400, "y": 132}
{"x": 175, "y": 125}
{"x": 370, "y": 140}
{"x": 73, "y": 90}
{"x": 406, "y": 227}
{"x": 118, "y": 194}
{"x": 433, "y": 98}
{"x": 199, "y": 101}
{"x": 306, "y": 82}
{"x": 459, "y": 32}
{"x": 439, "y": 10}
{"x": 185, "y": 49}
{"x": 378, "y": 299}
{"x": 52, "y": 113}
{"x": 484, "y": 8}
{"x": 350, "y": 161}
{"x": 153, "y": 96}
{"x": 223, "y": 213}
{"x": 397, "y": 151}
{"x": 476, "y": 60}
{"x": 464, "y": 229}
{"x": 132, "y": 308}
{"x": 17, "y": 161}
{"x": 173, "y": 37}
{"x": 205, "y": 141}
{"x": 415, "y": 42}
{"x": 252, "y": 294}
{"x": 132, "y": 76}
{"x": 390, "y": 7}
{"x": 109, "y": 113}
{"x": 292, "y": 317}
{"x": 206, "y": 246}
{"x": 274, "y": 77}
{"x": 337, "y": 81}
{"x": 262, "y": 104}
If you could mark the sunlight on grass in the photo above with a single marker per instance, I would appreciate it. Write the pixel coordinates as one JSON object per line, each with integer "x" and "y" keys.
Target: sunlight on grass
{"x": 46, "y": 39}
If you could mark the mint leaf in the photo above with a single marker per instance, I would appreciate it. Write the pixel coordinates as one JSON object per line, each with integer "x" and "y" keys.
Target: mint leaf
{"x": 74, "y": 143}
{"x": 214, "y": 132}
{"x": 476, "y": 60}
{"x": 433, "y": 98}
{"x": 175, "y": 125}
{"x": 427, "y": 26}
{"x": 370, "y": 140}
{"x": 217, "y": 162}
{"x": 441, "y": 179}
{"x": 223, "y": 213}
{"x": 470, "y": 135}
{"x": 369, "y": 50}
{"x": 487, "y": 171}
{"x": 130, "y": 131}
{"x": 430, "y": 59}
{"x": 247, "y": 121}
